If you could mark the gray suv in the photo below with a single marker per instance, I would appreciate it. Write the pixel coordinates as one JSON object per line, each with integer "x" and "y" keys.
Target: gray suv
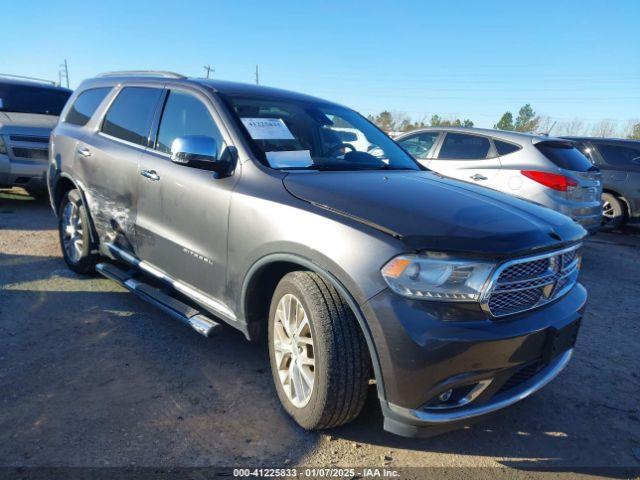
{"x": 224, "y": 203}
{"x": 619, "y": 161}
{"x": 28, "y": 112}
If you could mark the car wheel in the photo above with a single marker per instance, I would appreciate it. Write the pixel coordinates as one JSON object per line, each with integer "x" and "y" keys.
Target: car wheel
{"x": 75, "y": 239}
{"x": 319, "y": 359}
{"x": 613, "y": 212}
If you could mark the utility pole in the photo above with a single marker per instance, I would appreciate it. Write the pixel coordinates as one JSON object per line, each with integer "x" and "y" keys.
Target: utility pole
{"x": 257, "y": 76}
{"x": 209, "y": 69}
{"x": 63, "y": 72}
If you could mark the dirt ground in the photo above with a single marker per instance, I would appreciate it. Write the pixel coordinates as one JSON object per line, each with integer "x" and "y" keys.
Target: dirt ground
{"x": 90, "y": 376}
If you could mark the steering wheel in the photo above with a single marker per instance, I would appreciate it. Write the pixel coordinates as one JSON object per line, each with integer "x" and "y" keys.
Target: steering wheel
{"x": 337, "y": 147}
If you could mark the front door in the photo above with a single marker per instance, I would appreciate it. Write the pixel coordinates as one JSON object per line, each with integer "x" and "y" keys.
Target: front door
{"x": 467, "y": 157}
{"x": 182, "y": 217}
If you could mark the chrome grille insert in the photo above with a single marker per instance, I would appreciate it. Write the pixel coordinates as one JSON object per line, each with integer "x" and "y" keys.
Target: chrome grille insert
{"x": 527, "y": 283}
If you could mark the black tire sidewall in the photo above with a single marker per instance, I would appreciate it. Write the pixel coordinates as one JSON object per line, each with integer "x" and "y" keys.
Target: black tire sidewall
{"x": 87, "y": 260}
{"x": 308, "y": 415}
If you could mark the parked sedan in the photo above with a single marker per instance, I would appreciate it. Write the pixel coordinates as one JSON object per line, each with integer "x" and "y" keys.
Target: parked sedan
{"x": 619, "y": 161}
{"x": 546, "y": 170}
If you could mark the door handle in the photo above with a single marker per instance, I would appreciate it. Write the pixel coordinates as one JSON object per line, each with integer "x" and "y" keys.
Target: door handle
{"x": 150, "y": 174}
{"x": 477, "y": 177}
{"x": 85, "y": 152}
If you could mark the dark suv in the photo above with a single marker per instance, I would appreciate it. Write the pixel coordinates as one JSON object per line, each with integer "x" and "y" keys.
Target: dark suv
{"x": 619, "y": 161}
{"x": 29, "y": 109}
{"x": 240, "y": 204}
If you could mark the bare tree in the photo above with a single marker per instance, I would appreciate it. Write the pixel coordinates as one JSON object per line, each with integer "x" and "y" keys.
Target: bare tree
{"x": 632, "y": 129}
{"x": 573, "y": 127}
{"x": 604, "y": 128}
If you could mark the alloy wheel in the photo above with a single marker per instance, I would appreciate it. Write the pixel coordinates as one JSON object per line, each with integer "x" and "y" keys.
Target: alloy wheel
{"x": 72, "y": 231}
{"x": 608, "y": 212}
{"x": 294, "y": 350}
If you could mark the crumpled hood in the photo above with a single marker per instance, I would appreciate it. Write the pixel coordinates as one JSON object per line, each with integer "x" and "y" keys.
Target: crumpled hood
{"x": 427, "y": 211}
{"x": 27, "y": 123}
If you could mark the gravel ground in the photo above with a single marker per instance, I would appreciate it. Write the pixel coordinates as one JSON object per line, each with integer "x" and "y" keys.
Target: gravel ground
{"x": 90, "y": 376}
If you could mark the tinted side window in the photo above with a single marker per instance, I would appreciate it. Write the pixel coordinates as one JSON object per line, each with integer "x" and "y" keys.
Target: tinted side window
{"x": 184, "y": 114}
{"x": 129, "y": 117}
{"x": 85, "y": 105}
{"x": 465, "y": 147}
{"x": 619, "y": 155}
{"x": 420, "y": 145}
{"x": 505, "y": 148}
{"x": 565, "y": 155}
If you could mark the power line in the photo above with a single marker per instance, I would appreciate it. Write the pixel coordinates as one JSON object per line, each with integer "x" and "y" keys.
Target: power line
{"x": 209, "y": 69}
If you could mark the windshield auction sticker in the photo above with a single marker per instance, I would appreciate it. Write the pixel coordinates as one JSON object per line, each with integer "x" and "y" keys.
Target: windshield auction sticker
{"x": 267, "y": 129}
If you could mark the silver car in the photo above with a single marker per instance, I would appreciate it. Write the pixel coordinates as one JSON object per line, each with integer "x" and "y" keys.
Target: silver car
{"x": 28, "y": 111}
{"x": 546, "y": 170}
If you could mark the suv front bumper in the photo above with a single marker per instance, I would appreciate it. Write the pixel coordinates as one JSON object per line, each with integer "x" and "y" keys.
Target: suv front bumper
{"x": 421, "y": 355}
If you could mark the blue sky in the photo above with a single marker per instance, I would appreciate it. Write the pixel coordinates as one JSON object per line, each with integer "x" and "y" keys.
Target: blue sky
{"x": 471, "y": 59}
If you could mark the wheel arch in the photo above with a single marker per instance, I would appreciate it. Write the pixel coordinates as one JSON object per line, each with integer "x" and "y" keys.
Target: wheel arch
{"x": 267, "y": 272}
{"x": 623, "y": 199}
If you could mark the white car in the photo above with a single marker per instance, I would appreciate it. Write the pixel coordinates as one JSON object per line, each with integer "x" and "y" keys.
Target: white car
{"x": 354, "y": 137}
{"x": 545, "y": 170}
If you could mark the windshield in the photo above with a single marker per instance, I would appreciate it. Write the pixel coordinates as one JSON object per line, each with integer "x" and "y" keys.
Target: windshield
{"x": 32, "y": 99}
{"x": 292, "y": 134}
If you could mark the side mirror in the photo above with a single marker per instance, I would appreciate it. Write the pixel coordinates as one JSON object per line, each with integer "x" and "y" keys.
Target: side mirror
{"x": 199, "y": 151}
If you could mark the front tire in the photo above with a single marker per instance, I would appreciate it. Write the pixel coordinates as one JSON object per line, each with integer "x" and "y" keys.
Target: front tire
{"x": 75, "y": 238}
{"x": 614, "y": 213}
{"x": 319, "y": 359}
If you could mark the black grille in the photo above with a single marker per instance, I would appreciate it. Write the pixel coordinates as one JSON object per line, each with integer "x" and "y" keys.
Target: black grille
{"x": 527, "y": 284}
{"x": 31, "y": 153}
{"x": 29, "y": 138}
{"x": 522, "y": 375}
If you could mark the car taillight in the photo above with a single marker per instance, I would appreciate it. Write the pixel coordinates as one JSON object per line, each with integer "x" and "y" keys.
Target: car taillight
{"x": 551, "y": 180}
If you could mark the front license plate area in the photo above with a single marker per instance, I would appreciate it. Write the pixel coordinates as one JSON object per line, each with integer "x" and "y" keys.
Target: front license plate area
{"x": 560, "y": 340}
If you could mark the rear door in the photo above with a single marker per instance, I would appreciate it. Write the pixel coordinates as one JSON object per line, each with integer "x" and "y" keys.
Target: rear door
{"x": 468, "y": 157}
{"x": 182, "y": 214}
{"x": 620, "y": 165}
{"x": 108, "y": 162}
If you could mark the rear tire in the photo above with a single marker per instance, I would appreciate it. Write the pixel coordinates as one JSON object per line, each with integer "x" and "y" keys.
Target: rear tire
{"x": 614, "y": 212}
{"x": 331, "y": 353}
{"x": 74, "y": 234}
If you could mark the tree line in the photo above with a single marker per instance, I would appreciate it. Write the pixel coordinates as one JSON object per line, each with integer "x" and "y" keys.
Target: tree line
{"x": 527, "y": 120}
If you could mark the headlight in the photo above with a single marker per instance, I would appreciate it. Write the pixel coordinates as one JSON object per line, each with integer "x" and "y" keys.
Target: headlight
{"x": 428, "y": 277}
{"x": 3, "y": 147}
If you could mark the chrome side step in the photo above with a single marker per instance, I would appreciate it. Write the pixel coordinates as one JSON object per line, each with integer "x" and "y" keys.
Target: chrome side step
{"x": 200, "y": 322}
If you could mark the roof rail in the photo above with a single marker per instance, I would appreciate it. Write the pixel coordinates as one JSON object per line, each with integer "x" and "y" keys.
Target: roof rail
{"x": 22, "y": 77}
{"x": 141, "y": 73}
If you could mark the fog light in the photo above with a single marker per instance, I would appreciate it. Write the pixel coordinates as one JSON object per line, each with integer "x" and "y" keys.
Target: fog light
{"x": 445, "y": 396}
